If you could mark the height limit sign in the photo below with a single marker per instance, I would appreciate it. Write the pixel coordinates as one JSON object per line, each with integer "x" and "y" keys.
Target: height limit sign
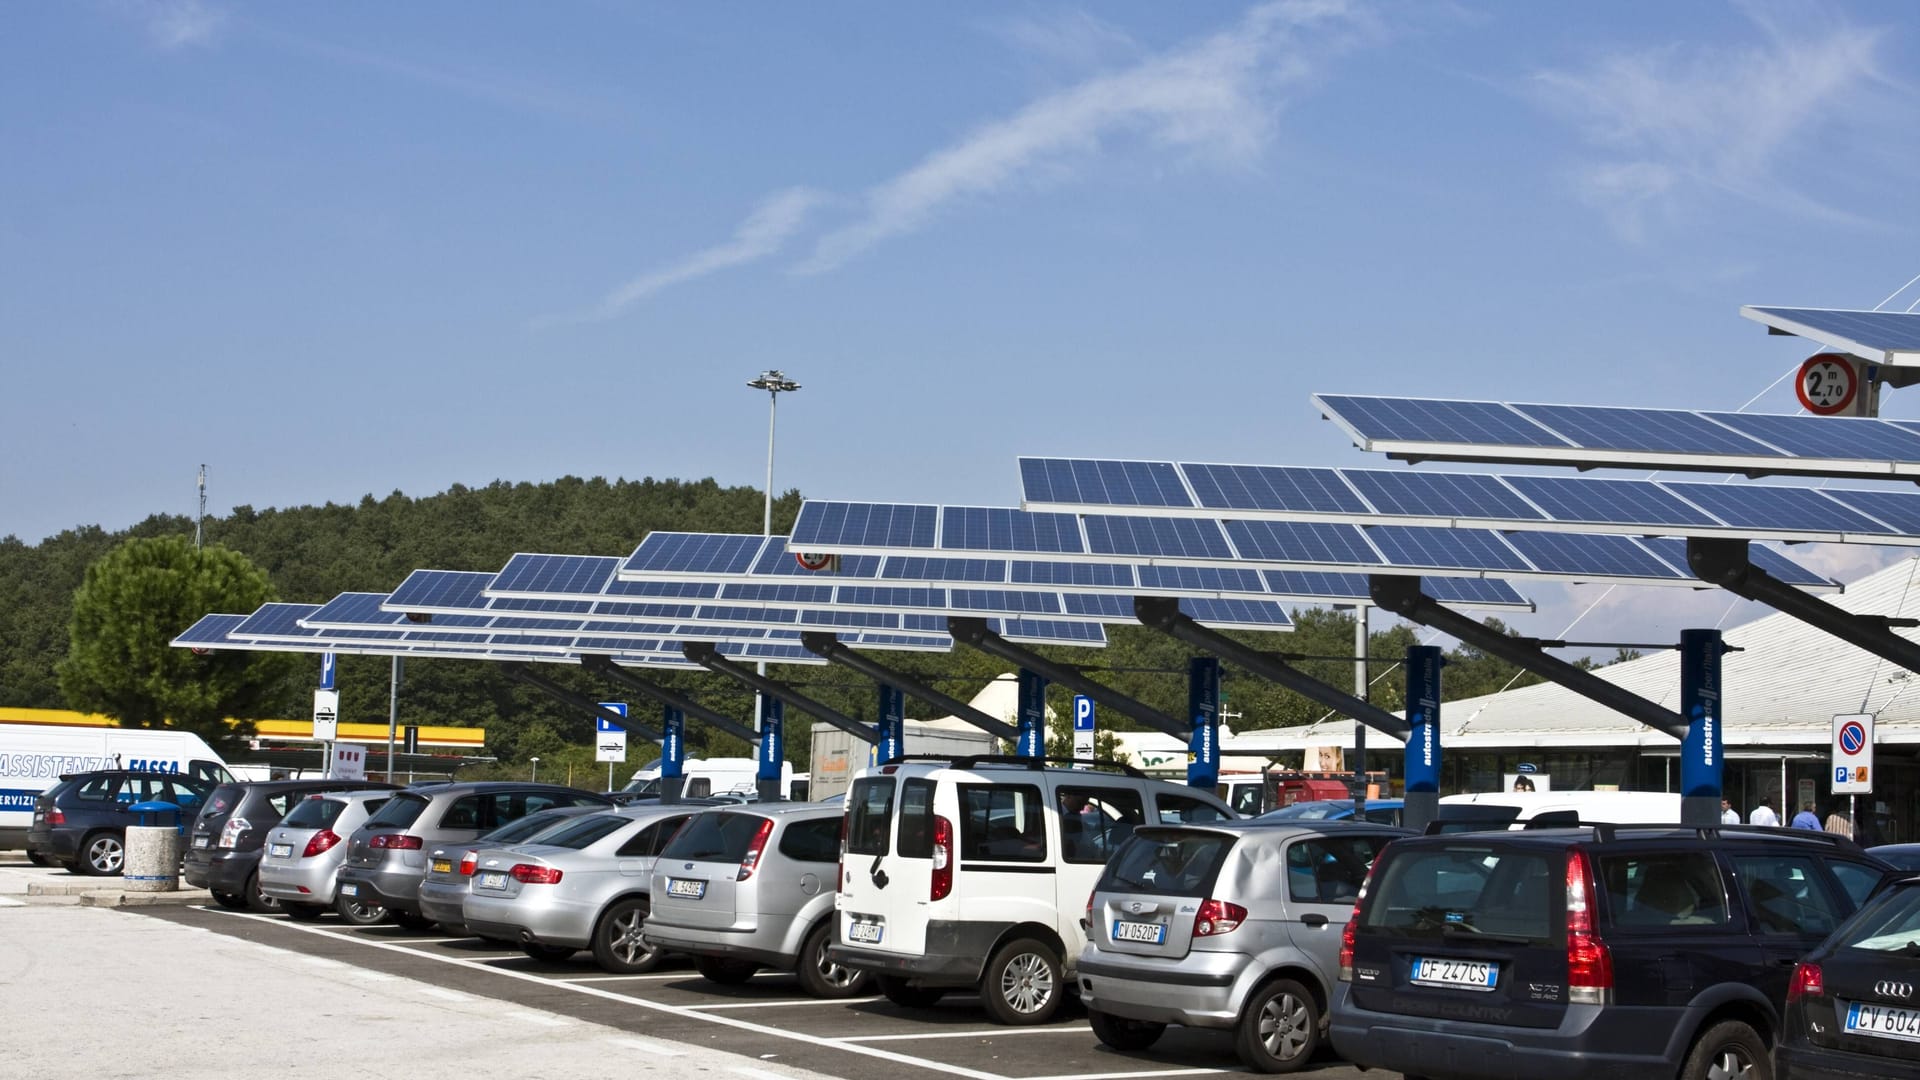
{"x": 1853, "y": 754}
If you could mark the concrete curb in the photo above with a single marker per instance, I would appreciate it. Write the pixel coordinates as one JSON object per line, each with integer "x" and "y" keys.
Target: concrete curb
{"x": 117, "y": 898}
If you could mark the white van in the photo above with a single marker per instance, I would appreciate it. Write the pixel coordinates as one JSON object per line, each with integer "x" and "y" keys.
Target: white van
{"x": 33, "y": 757}
{"x": 975, "y": 872}
{"x": 711, "y": 776}
{"x": 1483, "y": 811}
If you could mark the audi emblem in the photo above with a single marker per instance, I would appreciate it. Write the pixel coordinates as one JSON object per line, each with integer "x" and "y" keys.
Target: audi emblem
{"x": 1889, "y": 988}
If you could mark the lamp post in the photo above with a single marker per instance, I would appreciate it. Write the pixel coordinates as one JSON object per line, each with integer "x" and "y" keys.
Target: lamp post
{"x": 774, "y": 383}
{"x": 536, "y": 771}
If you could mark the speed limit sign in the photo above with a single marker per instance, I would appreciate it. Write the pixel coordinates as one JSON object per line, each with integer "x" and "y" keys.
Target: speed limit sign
{"x": 1828, "y": 384}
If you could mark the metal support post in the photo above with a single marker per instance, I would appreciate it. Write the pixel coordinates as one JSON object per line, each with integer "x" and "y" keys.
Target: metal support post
{"x": 673, "y": 753}
{"x": 1033, "y": 716}
{"x": 889, "y": 741}
{"x": 1702, "y": 755}
{"x": 1360, "y": 729}
{"x": 773, "y": 748}
{"x": 1422, "y": 768}
{"x": 1203, "y": 705}
{"x": 393, "y": 713}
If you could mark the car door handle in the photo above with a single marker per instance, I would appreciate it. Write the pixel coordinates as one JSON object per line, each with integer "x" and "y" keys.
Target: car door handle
{"x": 1313, "y": 918}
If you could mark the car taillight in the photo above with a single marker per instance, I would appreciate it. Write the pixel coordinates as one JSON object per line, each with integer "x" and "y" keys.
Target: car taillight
{"x": 1218, "y": 917}
{"x": 230, "y": 833}
{"x": 942, "y": 881}
{"x": 1807, "y": 982}
{"x": 1353, "y": 920}
{"x": 320, "y": 842}
{"x": 395, "y": 842}
{"x": 56, "y": 817}
{"x": 752, "y": 857}
{"x": 529, "y": 874}
{"x": 1589, "y": 961}
{"x": 469, "y": 861}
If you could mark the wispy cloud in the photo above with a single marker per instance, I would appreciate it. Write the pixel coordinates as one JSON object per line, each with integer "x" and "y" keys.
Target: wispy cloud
{"x": 1216, "y": 99}
{"x": 1075, "y": 37}
{"x": 178, "y": 24}
{"x": 1677, "y": 122}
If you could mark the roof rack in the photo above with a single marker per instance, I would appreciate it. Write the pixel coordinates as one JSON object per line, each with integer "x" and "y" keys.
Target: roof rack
{"x": 974, "y": 761}
{"x": 1605, "y": 832}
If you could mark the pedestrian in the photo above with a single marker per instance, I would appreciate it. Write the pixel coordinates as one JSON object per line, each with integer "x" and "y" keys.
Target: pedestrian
{"x": 1839, "y": 824}
{"x": 1763, "y": 815}
{"x": 1806, "y": 819}
{"x": 1728, "y": 815}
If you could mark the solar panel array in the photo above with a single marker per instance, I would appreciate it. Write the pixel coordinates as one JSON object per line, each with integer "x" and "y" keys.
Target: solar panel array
{"x": 1885, "y": 337}
{"x": 1375, "y": 498}
{"x": 1591, "y": 435}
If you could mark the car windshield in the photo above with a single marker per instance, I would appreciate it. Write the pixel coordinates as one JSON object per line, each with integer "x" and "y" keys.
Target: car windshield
{"x": 718, "y": 837}
{"x": 1166, "y": 863}
{"x": 314, "y": 813}
{"x": 1465, "y": 891}
{"x": 1311, "y": 811}
{"x": 403, "y": 810}
{"x": 1890, "y": 923}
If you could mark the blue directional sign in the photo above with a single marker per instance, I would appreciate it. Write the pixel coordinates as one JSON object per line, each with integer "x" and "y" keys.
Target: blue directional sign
{"x": 326, "y": 671}
{"x": 601, "y": 723}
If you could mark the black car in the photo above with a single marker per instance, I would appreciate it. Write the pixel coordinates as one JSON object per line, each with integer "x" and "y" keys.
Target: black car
{"x": 223, "y": 848}
{"x": 1601, "y": 951}
{"x": 1853, "y": 1007}
{"x": 81, "y": 822}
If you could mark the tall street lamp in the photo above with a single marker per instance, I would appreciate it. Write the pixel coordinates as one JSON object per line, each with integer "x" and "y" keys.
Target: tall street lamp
{"x": 774, "y": 383}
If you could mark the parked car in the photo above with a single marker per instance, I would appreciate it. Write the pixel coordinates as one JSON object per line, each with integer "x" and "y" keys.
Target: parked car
{"x": 743, "y": 888}
{"x": 443, "y": 892}
{"x": 387, "y": 856}
{"x": 225, "y": 842}
{"x": 304, "y": 852}
{"x": 583, "y": 885}
{"x": 81, "y": 822}
{"x": 1480, "y": 811}
{"x": 1235, "y": 926}
{"x": 1904, "y": 856}
{"x": 1580, "y": 952}
{"x": 1852, "y": 1009}
{"x": 1379, "y": 811}
{"x": 973, "y": 872}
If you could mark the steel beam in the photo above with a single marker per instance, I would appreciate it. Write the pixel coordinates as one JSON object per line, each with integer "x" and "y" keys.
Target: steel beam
{"x": 704, "y": 654}
{"x": 519, "y": 673}
{"x": 1402, "y": 596}
{"x": 828, "y": 646}
{"x": 607, "y": 669}
{"x": 973, "y": 632}
{"x": 1163, "y": 614}
{"x": 1725, "y": 563}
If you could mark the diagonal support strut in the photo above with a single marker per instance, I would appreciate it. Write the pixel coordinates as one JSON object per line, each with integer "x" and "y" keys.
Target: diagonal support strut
{"x": 1725, "y": 563}
{"x": 520, "y": 674}
{"x": 607, "y": 669}
{"x": 974, "y": 632}
{"x": 704, "y": 654}
{"x": 824, "y": 644}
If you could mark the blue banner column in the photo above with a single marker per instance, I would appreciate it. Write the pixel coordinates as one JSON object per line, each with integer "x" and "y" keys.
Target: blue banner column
{"x": 1703, "y": 753}
{"x": 673, "y": 753}
{"x": 1033, "y": 716}
{"x": 1203, "y": 706}
{"x": 773, "y": 747}
{"x": 889, "y": 736}
{"x": 1422, "y": 769}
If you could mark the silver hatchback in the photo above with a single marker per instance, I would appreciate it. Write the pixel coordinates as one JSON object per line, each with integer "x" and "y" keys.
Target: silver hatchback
{"x": 304, "y": 852}
{"x": 1234, "y": 925}
{"x": 752, "y": 886}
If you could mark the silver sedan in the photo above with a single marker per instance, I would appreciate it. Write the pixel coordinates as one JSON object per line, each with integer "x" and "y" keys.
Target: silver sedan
{"x": 584, "y": 886}
{"x": 304, "y": 852}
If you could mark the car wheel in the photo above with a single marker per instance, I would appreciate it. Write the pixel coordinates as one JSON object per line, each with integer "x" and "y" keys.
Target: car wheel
{"x": 552, "y": 954}
{"x": 1123, "y": 1034}
{"x": 1280, "y": 1029}
{"x": 820, "y": 975}
{"x": 407, "y": 920}
{"x": 303, "y": 912}
{"x": 617, "y": 945}
{"x": 907, "y": 996}
{"x": 1022, "y": 983}
{"x": 38, "y": 859}
{"x": 725, "y": 971}
{"x": 258, "y": 902}
{"x": 359, "y": 912}
{"x": 230, "y": 901}
{"x": 102, "y": 855}
{"x": 1730, "y": 1050}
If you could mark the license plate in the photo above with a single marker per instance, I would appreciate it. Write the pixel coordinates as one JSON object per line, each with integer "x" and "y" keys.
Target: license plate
{"x": 202, "y": 841}
{"x": 1152, "y": 933}
{"x": 1464, "y": 974}
{"x": 687, "y": 887}
{"x": 1885, "y": 1021}
{"x": 282, "y": 851}
{"x": 443, "y": 866}
{"x": 493, "y": 879}
{"x": 868, "y": 932}
{"x": 349, "y": 890}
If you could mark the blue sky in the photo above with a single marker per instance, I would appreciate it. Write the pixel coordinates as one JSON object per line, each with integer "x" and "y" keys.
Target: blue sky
{"x": 333, "y": 250}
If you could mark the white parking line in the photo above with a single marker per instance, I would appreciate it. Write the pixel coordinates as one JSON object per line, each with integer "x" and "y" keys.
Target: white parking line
{"x": 543, "y": 1019}
{"x": 8, "y": 901}
{"x": 780, "y": 1004}
{"x": 648, "y": 1047}
{"x": 1125, "y": 1075}
{"x": 445, "y": 994}
{"x": 1080, "y": 1029}
{"x": 620, "y": 978}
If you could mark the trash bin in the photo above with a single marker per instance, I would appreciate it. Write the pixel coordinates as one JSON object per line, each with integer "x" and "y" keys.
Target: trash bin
{"x": 153, "y": 848}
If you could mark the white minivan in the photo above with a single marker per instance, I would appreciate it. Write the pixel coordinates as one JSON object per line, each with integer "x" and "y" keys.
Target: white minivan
{"x": 704, "y": 777}
{"x": 33, "y": 757}
{"x": 975, "y": 873}
{"x": 1490, "y": 810}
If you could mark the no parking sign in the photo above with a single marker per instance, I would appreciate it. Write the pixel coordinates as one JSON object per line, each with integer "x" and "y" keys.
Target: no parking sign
{"x": 1853, "y": 754}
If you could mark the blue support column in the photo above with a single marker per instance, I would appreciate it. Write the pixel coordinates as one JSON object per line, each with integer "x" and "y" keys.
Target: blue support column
{"x": 1702, "y": 753}
{"x": 673, "y": 753}
{"x": 773, "y": 747}
{"x": 1033, "y": 715}
{"x": 889, "y": 733}
{"x": 1203, "y": 707}
{"x": 1422, "y": 768}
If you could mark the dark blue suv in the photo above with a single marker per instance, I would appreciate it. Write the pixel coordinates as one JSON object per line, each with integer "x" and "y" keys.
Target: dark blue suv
{"x": 1601, "y": 951}
{"x": 81, "y": 822}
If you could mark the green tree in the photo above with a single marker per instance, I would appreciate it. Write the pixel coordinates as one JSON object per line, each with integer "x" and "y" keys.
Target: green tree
{"x": 131, "y": 603}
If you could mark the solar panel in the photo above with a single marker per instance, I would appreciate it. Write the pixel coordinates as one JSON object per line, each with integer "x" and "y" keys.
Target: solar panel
{"x": 695, "y": 553}
{"x": 1070, "y": 574}
{"x": 1669, "y": 430}
{"x": 209, "y": 630}
{"x": 1772, "y": 562}
{"x": 1302, "y": 542}
{"x": 1835, "y": 437}
{"x": 448, "y": 590}
{"x": 1114, "y": 483}
{"x": 1900, "y": 510}
{"x": 1766, "y": 508}
{"x": 1468, "y": 421}
{"x": 1590, "y": 501}
{"x": 1460, "y": 549}
{"x": 1263, "y": 487}
{"x": 1578, "y": 553}
{"x": 1182, "y": 538}
{"x": 823, "y": 525}
{"x": 1886, "y": 337}
{"x": 549, "y": 575}
{"x": 922, "y": 568}
{"x": 1441, "y": 495}
{"x": 986, "y": 528}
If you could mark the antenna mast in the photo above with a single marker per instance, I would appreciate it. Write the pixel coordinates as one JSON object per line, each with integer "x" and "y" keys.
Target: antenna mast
{"x": 202, "y": 515}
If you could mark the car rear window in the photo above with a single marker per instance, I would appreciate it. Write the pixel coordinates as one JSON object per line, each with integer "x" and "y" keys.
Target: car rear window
{"x": 513, "y": 832}
{"x": 400, "y": 812}
{"x": 1888, "y": 924}
{"x": 315, "y": 813}
{"x": 1467, "y": 890}
{"x": 715, "y": 837}
{"x": 870, "y": 815}
{"x": 1167, "y": 863}
{"x": 585, "y": 831}
{"x": 224, "y": 799}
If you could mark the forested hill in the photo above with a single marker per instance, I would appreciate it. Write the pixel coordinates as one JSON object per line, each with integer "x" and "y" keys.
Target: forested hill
{"x": 313, "y": 553}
